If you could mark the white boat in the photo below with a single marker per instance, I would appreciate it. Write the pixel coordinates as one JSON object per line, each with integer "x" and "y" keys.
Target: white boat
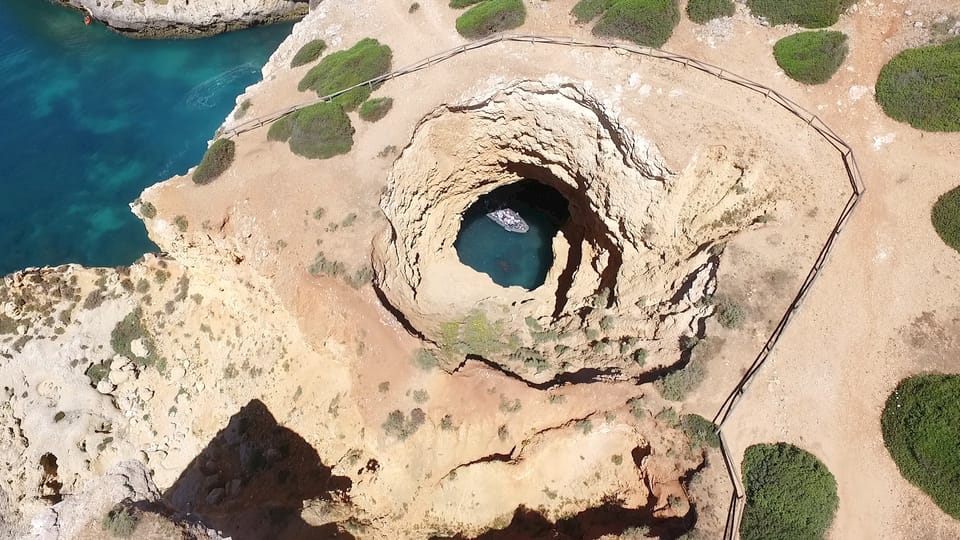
{"x": 509, "y": 219}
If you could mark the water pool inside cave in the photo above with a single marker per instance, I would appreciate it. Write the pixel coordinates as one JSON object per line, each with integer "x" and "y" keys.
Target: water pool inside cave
{"x": 511, "y": 258}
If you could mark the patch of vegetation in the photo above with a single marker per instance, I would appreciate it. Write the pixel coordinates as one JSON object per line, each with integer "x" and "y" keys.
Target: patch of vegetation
{"x": 811, "y": 57}
{"x": 704, "y": 11}
{"x": 130, "y": 329}
{"x": 946, "y": 218}
{"x": 446, "y": 423}
{"x": 425, "y": 359}
{"x": 319, "y": 131}
{"x": 460, "y": 4}
{"x": 398, "y": 425}
{"x": 644, "y": 22}
{"x": 414, "y": 7}
{"x": 806, "y": 13}
{"x": 668, "y": 416}
{"x": 308, "y": 53}
{"x": 922, "y": 87}
{"x": 701, "y": 431}
{"x": 421, "y": 396}
{"x": 148, "y": 210}
{"x": 98, "y": 372}
{"x": 509, "y": 405}
{"x": 729, "y": 313}
{"x": 637, "y": 408}
{"x": 216, "y": 161}
{"x": 121, "y": 522}
{"x": 374, "y": 109}
{"x": 640, "y": 357}
{"x": 383, "y": 387}
{"x": 791, "y": 495}
{"x": 675, "y": 386}
{"x": 490, "y": 17}
{"x": 242, "y": 109}
{"x": 338, "y": 71}
{"x": 475, "y": 335}
{"x": 181, "y": 223}
{"x": 921, "y": 428}
{"x": 584, "y": 426}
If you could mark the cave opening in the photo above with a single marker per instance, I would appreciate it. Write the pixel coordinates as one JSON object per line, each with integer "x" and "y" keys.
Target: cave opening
{"x": 508, "y": 233}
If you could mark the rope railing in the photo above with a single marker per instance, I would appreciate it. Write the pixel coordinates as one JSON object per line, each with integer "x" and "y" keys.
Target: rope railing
{"x": 735, "y": 510}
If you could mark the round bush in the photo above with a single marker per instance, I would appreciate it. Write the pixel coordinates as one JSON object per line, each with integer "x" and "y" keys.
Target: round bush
{"x": 704, "y": 11}
{"x": 811, "y": 57}
{"x": 490, "y": 17}
{"x": 922, "y": 87}
{"x": 791, "y": 495}
{"x": 921, "y": 428}
{"x": 215, "y": 161}
{"x": 806, "y": 13}
{"x": 644, "y": 22}
{"x": 308, "y": 53}
{"x": 366, "y": 60}
{"x": 374, "y": 109}
{"x": 319, "y": 131}
{"x": 946, "y": 217}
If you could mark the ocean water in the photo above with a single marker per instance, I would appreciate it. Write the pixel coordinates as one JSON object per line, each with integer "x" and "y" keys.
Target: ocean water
{"x": 89, "y": 118}
{"x": 511, "y": 258}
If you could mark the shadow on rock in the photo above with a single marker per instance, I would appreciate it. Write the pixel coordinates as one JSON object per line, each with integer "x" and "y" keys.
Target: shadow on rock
{"x": 251, "y": 480}
{"x": 593, "y": 523}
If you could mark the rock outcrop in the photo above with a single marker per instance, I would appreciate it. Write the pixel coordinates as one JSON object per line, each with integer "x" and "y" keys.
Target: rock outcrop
{"x": 181, "y": 18}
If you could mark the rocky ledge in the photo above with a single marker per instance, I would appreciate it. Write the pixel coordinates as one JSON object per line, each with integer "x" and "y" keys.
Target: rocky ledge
{"x": 180, "y": 18}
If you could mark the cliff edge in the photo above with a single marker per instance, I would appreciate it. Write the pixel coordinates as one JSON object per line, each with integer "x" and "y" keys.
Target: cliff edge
{"x": 180, "y": 18}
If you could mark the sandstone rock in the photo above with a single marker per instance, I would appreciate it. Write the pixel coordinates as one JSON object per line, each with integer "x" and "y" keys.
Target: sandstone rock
{"x": 182, "y": 18}
{"x": 139, "y": 348}
{"x": 105, "y": 386}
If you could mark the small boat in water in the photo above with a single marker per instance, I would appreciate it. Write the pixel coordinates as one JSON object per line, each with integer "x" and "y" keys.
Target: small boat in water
{"x": 509, "y": 219}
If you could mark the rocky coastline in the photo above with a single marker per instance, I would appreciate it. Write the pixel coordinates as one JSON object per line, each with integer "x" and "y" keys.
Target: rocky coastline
{"x": 159, "y": 19}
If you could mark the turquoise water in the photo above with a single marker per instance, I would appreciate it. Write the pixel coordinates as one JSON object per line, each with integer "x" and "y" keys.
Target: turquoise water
{"x": 513, "y": 258}
{"x": 89, "y": 118}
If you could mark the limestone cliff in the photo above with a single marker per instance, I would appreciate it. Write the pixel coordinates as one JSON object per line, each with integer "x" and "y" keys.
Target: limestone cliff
{"x": 181, "y": 18}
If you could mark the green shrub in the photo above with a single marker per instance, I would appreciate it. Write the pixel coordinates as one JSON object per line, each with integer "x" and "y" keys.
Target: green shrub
{"x": 460, "y": 4}
{"x": 704, "y": 11}
{"x": 308, "y": 53}
{"x": 922, "y": 87}
{"x": 729, "y": 313}
{"x": 645, "y": 22}
{"x": 791, "y": 495}
{"x": 215, "y": 162}
{"x": 806, "y": 13}
{"x": 946, "y": 217}
{"x": 319, "y": 131}
{"x": 148, "y": 210}
{"x": 120, "y": 522}
{"x": 811, "y": 57}
{"x": 921, "y": 428}
{"x": 366, "y": 60}
{"x": 399, "y": 426}
{"x": 675, "y": 385}
{"x": 130, "y": 329}
{"x": 490, "y": 17}
{"x": 376, "y": 108}
{"x": 588, "y": 10}
{"x": 426, "y": 359}
{"x": 701, "y": 431}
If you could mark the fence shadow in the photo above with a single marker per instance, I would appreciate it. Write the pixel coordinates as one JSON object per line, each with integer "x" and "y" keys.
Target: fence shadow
{"x": 251, "y": 480}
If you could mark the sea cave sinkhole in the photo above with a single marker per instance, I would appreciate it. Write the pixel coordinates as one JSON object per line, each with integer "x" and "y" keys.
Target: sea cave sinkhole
{"x": 513, "y": 258}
